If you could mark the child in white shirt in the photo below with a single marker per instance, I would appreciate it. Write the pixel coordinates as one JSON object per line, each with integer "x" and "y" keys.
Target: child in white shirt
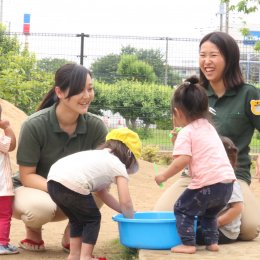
{"x": 72, "y": 179}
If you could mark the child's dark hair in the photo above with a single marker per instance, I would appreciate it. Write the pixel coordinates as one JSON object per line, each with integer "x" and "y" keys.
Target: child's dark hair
{"x": 191, "y": 99}
{"x": 121, "y": 151}
{"x": 231, "y": 150}
{"x": 69, "y": 76}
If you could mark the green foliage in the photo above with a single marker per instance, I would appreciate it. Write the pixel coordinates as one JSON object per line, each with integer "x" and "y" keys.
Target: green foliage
{"x": 257, "y": 46}
{"x": 164, "y": 124}
{"x": 134, "y": 100}
{"x": 8, "y": 44}
{"x": 149, "y": 56}
{"x": 144, "y": 133}
{"x": 173, "y": 78}
{"x": 246, "y": 7}
{"x": 102, "y": 98}
{"x": 165, "y": 159}
{"x": 131, "y": 68}
{"x": 243, "y": 6}
{"x": 105, "y": 68}
{"x": 257, "y": 135}
{"x": 20, "y": 82}
{"x": 9, "y": 47}
{"x": 149, "y": 153}
{"x": 51, "y": 65}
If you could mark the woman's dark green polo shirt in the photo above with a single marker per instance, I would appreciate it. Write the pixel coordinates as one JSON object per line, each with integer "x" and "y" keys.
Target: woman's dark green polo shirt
{"x": 42, "y": 142}
{"x": 234, "y": 119}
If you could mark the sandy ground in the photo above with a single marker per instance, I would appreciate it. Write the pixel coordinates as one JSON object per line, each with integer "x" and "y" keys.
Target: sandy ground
{"x": 144, "y": 193}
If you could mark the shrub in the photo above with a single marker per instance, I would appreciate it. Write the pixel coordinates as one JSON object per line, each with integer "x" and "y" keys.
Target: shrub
{"x": 150, "y": 152}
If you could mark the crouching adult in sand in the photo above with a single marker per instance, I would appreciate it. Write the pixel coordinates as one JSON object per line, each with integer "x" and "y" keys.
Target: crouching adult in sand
{"x": 61, "y": 126}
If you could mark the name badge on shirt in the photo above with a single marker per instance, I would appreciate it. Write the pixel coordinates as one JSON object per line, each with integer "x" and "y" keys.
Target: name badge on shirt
{"x": 255, "y": 107}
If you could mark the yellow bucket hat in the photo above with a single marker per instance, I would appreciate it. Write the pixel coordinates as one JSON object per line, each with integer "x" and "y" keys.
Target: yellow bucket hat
{"x": 127, "y": 137}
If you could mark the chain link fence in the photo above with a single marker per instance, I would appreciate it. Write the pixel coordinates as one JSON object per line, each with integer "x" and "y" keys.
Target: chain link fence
{"x": 179, "y": 54}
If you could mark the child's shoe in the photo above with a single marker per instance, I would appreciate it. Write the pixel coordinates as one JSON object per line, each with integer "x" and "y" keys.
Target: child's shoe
{"x": 8, "y": 250}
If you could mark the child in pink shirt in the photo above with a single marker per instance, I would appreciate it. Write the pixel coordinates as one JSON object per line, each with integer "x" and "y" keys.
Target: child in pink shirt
{"x": 7, "y": 144}
{"x": 199, "y": 146}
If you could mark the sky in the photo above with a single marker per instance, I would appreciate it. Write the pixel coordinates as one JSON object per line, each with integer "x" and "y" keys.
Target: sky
{"x": 163, "y": 18}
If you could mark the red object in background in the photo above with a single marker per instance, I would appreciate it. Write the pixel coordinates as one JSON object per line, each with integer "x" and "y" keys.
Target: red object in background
{"x": 26, "y": 28}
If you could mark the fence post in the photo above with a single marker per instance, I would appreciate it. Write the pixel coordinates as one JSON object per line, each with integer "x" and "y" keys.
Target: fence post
{"x": 82, "y": 36}
{"x": 166, "y": 63}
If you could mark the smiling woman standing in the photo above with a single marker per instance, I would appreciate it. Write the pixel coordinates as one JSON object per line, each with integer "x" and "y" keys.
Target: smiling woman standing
{"x": 61, "y": 126}
{"x": 230, "y": 97}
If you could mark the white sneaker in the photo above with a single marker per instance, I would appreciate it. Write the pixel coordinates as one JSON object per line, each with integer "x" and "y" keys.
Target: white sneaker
{"x": 8, "y": 250}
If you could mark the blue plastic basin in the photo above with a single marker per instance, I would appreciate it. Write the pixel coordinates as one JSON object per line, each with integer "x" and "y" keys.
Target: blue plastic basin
{"x": 148, "y": 230}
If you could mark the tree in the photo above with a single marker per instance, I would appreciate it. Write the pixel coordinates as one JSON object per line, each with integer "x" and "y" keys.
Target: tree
{"x": 8, "y": 46}
{"x": 105, "y": 68}
{"x": 153, "y": 57}
{"x": 20, "y": 82}
{"x": 51, "y": 65}
{"x": 133, "y": 100}
{"x": 246, "y": 7}
{"x": 133, "y": 69}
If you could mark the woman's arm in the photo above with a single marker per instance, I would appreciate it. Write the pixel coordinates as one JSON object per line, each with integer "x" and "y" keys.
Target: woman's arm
{"x": 230, "y": 214}
{"x": 30, "y": 179}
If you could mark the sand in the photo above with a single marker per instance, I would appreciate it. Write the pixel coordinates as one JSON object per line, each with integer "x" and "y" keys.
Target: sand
{"x": 144, "y": 193}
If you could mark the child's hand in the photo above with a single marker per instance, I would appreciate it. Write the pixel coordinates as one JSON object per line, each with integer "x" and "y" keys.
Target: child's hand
{"x": 257, "y": 168}
{"x": 173, "y": 134}
{"x": 4, "y": 124}
{"x": 160, "y": 179}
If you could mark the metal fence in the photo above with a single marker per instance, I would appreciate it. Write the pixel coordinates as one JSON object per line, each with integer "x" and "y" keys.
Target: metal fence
{"x": 181, "y": 54}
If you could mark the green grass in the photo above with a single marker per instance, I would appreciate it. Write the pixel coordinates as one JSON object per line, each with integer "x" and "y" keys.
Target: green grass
{"x": 161, "y": 139}
{"x": 114, "y": 250}
{"x": 255, "y": 143}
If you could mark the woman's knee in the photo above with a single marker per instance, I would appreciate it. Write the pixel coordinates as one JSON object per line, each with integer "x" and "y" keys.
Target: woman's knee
{"x": 248, "y": 233}
{"x": 250, "y": 222}
{"x": 34, "y": 207}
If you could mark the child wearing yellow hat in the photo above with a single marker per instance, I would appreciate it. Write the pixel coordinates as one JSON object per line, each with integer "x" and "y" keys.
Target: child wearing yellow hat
{"x": 72, "y": 179}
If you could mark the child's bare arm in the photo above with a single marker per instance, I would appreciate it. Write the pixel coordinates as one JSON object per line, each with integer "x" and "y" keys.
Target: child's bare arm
{"x": 9, "y": 132}
{"x": 176, "y": 166}
{"x": 124, "y": 205}
{"x": 5, "y": 125}
{"x": 109, "y": 200}
{"x": 124, "y": 197}
{"x": 257, "y": 170}
{"x": 230, "y": 214}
